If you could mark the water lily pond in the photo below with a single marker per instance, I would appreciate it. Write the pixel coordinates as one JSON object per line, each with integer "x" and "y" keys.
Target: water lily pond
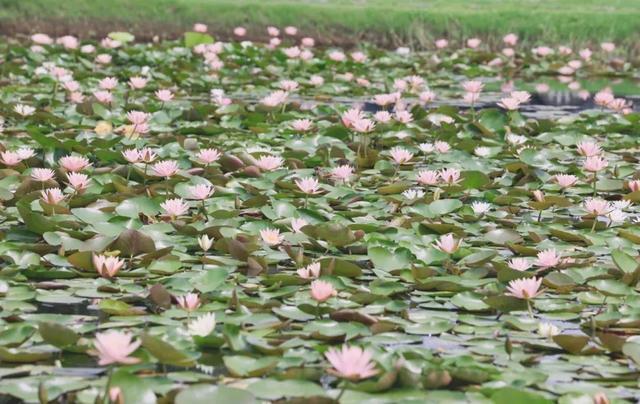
{"x": 202, "y": 222}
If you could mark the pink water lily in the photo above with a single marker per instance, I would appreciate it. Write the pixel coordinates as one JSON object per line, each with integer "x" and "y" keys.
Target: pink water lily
{"x": 321, "y": 291}
{"x": 208, "y": 156}
{"x": 271, "y": 236}
{"x": 189, "y": 302}
{"x": 310, "y": 271}
{"x": 107, "y": 266}
{"x": 175, "y": 207}
{"x": 74, "y": 163}
{"x": 525, "y": 288}
{"x": 308, "y": 185}
{"x": 42, "y": 174}
{"x": 269, "y": 163}
{"x": 9, "y": 158}
{"x": 116, "y": 347}
{"x": 448, "y": 244}
{"x": 167, "y": 168}
{"x": 200, "y": 191}
{"x": 548, "y": 258}
{"x": 52, "y": 196}
{"x": 351, "y": 363}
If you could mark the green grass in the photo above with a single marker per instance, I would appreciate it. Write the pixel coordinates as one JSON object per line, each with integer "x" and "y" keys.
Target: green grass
{"x": 415, "y": 22}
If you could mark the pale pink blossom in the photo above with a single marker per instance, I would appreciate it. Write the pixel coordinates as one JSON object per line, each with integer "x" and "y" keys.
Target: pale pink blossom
{"x": 25, "y": 153}
{"x": 363, "y": 125}
{"x": 428, "y": 177}
{"x": 597, "y": 206}
{"x": 520, "y": 264}
{"x": 525, "y": 288}
{"x": 103, "y": 59}
{"x": 10, "y": 158}
{"x": 351, "y": 363}
{"x": 297, "y": 224}
{"x": 76, "y": 97}
{"x": 608, "y": 46}
{"x": 603, "y": 98}
{"x": 509, "y": 103}
{"x": 471, "y": 98}
{"x": 68, "y": 42}
{"x": 167, "y": 168}
{"x": 359, "y": 57}
{"x": 164, "y": 95}
{"x": 308, "y": 42}
{"x": 427, "y": 96}
{"x": 548, "y": 258}
{"x": 450, "y": 176}
{"x": 269, "y": 163}
{"x": 400, "y": 155}
{"x": 565, "y": 180}
{"x": 42, "y": 174}
{"x": 137, "y": 82}
{"x": 52, "y": 196}
{"x": 441, "y": 146}
{"x": 131, "y": 155}
{"x": 78, "y": 181}
{"x": 291, "y": 30}
{"x": 104, "y": 97}
{"x": 589, "y": 149}
{"x": 107, "y": 266}
{"x": 542, "y": 51}
{"x": 175, "y": 207}
{"x": 321, "y": 291}
{"x": 447, "y": 243}
{"x": 510, "y": 39}
{"x": 274, "y": 99}
{"x": 148, "y": 155}
{"x": 508, "y": 52}
{"x": 585, "y": 54}
{"x": 404, "y": 117}
{"x": 199, "y": 27}
{"x": 308, "y": 185}
{"x": 292, "y": 52}
{"x": 288, "y": 85}
{"x": 108, "y": 83}
{"x": 240, "y": 31}
{"x": 42, "y": 39}
{"x": 350, "y": 116}
{"x": 201, "y": 191}
{"x": 382, "y": 116}
{"x": 473, "y": 43}
{"x": 634, "y": 185}
{"x": 337, "y": 56}
{"x": 595, "y": 163}
{"x": 273, "y": 31}
{"x": 208, "y": 156}
{"x": 115, "y": 347}
{"x": 138, "y": 117}
{"x": 189, "y": 302}
{"x": 538, "y": 195}
{"x": 342, "y": 173}
{"x": 441, "y": 43}
{"x": 301, "y": 125}
{"x": 74, "y": 163}
{"x": 311, "y": 271}
{"x": 271, "y": 236}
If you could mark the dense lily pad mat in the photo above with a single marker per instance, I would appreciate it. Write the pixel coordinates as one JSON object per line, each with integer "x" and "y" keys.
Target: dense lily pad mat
{"x": 218, "y": 222}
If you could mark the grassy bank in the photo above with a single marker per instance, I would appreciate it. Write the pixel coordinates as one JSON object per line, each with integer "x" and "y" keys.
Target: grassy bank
{"x": 415, "y": 22}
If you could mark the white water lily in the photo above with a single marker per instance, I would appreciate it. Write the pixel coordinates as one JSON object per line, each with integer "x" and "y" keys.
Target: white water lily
{"x": 548, "y": 330}
{"x": 202, "y": 325}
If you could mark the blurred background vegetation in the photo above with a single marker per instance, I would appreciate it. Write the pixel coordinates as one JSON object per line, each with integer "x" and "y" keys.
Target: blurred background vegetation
{"x": 415, "y": 23}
